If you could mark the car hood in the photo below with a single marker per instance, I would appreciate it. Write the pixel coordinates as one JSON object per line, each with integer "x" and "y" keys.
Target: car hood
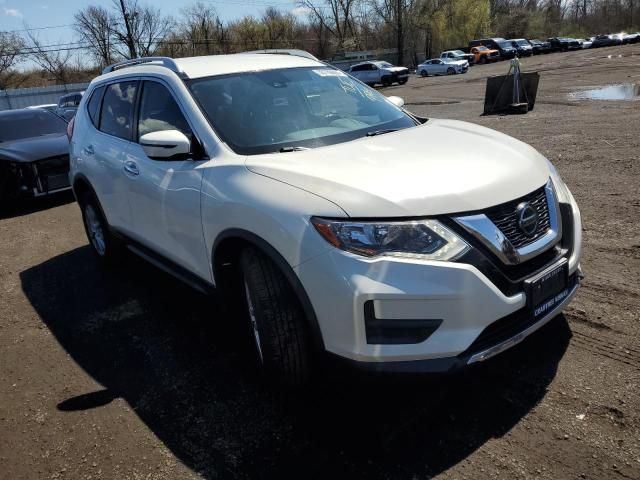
{"x": 441, "y": 167}
{"x": 462, "y": 61}
{"x": 395, "y": 69}
{"x": 35, "y": 148}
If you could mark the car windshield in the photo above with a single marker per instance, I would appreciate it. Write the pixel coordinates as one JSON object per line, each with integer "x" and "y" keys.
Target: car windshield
{"x": 17, "y": 125}
{"x": 384, "y": 64}
{"x": 458, "y": 52}
{"x": 278, "y": 110}
{"x": 522, "y": 43}
{"x": 482, "y": 49}
{"x": 504, "y": 44}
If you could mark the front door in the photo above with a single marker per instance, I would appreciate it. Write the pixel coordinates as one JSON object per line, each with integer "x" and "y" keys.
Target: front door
{"x": 165, "y": 194}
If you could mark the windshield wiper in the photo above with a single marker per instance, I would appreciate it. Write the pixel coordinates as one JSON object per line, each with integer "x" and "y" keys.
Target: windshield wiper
{"x": 292, "y": 149}
{"x": 381, "y": 132}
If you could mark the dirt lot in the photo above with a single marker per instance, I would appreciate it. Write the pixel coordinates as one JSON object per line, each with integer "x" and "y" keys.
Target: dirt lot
{"x": 128, "y": 374}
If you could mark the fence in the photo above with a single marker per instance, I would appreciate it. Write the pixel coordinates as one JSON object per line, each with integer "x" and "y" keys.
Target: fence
{"x": 25, "y": 97}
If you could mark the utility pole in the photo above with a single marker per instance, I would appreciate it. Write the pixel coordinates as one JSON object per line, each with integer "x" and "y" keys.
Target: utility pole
{"x": 130, "y": 43}
{"x": 400, "y": 33}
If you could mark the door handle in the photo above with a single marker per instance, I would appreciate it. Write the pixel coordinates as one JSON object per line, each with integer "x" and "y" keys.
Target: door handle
{"x": 88, "y": 150}
{"x": 131, "y": 168}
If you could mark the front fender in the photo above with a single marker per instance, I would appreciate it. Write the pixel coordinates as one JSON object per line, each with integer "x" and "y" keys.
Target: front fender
{"x": 235, "y": 198}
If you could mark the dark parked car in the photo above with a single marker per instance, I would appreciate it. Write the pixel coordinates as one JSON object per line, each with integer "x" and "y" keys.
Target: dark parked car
{"x": 606, "y": 41}
{"x": 522, "y": 46}
{"x": 631, "y": 38}
{"x": 539, "y": 46}
{"x": 503, "y": 46}
{"x": 68, "y": 104}
{"x": 34, "y": 153}
{"x": 563, "y": 44}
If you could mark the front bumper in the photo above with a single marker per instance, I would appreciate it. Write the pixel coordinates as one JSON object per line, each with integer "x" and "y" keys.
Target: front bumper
{"x": 40, "y": 177}
{"x": 521, "y": 327}
{"x": 476, "y": 315}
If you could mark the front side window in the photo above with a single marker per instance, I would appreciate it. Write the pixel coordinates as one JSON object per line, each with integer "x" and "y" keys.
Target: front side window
{"x": 159, "y": 111}
{"x": 262, "y": 112}
{"x": 117, "y": 109}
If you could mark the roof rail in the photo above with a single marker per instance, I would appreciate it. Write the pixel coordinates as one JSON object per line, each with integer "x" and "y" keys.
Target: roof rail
{"x": 286, "y": 51}
{"x": 166, "y": 62}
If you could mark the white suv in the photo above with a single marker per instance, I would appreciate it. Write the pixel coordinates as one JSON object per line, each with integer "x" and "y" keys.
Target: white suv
{"x": 309, "y": 198}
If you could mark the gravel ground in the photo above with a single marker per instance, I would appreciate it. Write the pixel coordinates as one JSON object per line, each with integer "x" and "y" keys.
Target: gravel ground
{"x": 126, "y": 373}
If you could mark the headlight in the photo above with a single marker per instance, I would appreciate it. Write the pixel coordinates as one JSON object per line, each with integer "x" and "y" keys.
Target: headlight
{"x": 425, "y": 239}
{"x": 564, "y": 196}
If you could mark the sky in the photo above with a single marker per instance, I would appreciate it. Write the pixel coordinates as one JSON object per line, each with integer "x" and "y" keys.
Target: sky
{"x": 57, "y": 15}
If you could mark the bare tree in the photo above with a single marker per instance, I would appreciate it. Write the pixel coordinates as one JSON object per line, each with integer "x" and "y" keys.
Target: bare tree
{"x": 10, "y": 47}
{"x": 94, "y": 26}
{"x": 279, "y": 27}
{"x": 54, "y": 61}
{"x": 203, "y": 29}
{"x": 248, "y": 33}
{"x": 140, "y": 29}
{"x": 337, "y": 17}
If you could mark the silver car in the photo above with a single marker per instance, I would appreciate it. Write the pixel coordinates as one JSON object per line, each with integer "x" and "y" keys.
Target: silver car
{"x": 442, "y": 66}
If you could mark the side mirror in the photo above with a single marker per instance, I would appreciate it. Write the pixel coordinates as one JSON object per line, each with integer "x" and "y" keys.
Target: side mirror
{"x": 397, "y": 101}
{"x": 165, "y": 144}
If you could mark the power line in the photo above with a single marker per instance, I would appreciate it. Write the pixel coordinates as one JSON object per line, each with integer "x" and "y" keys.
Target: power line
{"x": 39, "y": 28}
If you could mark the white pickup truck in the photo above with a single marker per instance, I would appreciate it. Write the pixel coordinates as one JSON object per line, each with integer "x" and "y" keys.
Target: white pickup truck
{"x": 373, "y": 73}
{"x": 458, "y": 55}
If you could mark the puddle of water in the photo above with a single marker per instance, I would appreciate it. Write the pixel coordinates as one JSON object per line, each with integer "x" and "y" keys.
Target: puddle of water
{"x": 629, "y": 91}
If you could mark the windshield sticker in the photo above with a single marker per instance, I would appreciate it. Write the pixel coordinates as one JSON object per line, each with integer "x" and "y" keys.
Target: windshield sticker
{"x": 327, "y": 72}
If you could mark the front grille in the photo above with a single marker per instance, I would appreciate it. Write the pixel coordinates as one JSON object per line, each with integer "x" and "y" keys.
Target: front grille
{"x": 505, "y": 217}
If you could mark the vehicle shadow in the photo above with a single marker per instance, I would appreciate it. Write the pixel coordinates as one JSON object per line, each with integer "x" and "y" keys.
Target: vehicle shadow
{"x": 25, "y": 206}
{"x": 186, "y": 370}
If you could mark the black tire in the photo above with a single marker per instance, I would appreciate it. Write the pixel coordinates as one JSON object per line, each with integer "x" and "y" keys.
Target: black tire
{"x": 424, "y": 73}
{"x": 386, "y": 82}
{"x": 483, "y": 59}
{"x": 451, "y": 71}
{"x": 276, "y": 319}
{"x": 103, "y": 243}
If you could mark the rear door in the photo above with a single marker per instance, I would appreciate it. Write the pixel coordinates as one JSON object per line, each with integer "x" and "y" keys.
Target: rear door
{"x": 165, "y": 194}
{"x": 104, "y": 147}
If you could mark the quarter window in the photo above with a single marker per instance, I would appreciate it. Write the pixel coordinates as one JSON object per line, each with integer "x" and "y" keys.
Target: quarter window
{"x": 94, "y": 104}
{"x": 159, "y": 111}
{"x": 117, "y": 109}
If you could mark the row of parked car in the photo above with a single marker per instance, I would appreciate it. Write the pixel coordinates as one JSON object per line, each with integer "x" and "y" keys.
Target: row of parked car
{"x": 483, "y": 51}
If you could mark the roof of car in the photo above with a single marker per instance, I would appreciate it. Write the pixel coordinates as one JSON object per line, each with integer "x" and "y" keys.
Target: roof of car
{"x": 209, "y": 65}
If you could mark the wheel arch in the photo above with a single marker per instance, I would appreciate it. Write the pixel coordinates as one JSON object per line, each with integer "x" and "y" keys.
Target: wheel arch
{"x": 82, "y": 185}
{"x": 225, "y": 257}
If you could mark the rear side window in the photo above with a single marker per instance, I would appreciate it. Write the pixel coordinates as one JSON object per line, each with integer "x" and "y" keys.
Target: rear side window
{"x": 159, "y": 111}
{"x": 94, "y": 104}
{"x": 116, "y": 115}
